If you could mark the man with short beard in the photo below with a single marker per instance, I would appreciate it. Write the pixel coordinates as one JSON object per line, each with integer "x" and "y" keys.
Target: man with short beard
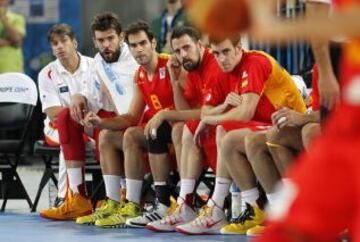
{"x": 152, "y": 89}
{"x": 110, "y": 87}
{"x": 200, "y": 64}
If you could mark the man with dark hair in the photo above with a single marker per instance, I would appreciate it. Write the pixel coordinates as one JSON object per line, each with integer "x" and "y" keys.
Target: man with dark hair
{"x": 200, "y": 64}
{"x": 96, "y": 108}
{"x": 57, "y": 82}
{"x": 242, "y": 99}
{"x": 152, "y": 89}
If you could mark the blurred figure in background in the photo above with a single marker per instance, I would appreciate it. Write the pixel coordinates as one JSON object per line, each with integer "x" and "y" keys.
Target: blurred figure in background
{"x": 12, "y": 33}
{"x": 172, "y": 16}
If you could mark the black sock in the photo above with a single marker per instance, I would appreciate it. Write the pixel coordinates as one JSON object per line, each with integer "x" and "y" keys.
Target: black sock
{"x": 163, "y": 194}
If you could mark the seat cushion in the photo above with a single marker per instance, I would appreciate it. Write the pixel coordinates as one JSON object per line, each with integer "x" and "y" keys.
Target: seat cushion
{"x": 9, "y": 146}
{"x": 41, "y": 148}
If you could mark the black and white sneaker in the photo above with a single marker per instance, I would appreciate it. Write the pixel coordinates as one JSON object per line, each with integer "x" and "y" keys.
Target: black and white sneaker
{"x": 157, "y": 212}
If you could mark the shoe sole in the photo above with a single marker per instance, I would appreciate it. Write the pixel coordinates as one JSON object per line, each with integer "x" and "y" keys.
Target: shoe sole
{"x": 118, "y": 226}
{"x": 232, "y": 233}
{"x": 88, "y": 223}
{"x": 134, "y": 225}
{"x": 65, "y": 219}
{"x": 202, "y": 233}
{"x": 154, "y": 229}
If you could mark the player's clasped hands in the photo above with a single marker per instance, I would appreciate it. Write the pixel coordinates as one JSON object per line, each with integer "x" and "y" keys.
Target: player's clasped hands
{"x": 91, "y": 120}
{"x": 286, "y": 117}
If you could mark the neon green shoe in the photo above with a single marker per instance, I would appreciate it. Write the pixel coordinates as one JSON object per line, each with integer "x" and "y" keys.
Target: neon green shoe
{"x": 118, "y": 219}
{"x": 249, "y": 218}
{"x": 109, "y": 207}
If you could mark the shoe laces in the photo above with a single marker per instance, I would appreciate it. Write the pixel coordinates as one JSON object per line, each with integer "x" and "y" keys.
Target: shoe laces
{"x": 247, "y": 214}
{"x": 204, "y": 217}
{"x": 173, "y": 207}
{"x": 173, "y": 214}
{"x": 127, "y": 208}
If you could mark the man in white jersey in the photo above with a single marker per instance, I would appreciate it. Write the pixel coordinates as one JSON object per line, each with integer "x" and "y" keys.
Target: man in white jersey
{"x": 107, "y": 95}
{"x": 57, "y": 82}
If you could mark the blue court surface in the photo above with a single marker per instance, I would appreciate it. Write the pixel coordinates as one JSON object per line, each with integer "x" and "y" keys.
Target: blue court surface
{"x": 31, "y": 227}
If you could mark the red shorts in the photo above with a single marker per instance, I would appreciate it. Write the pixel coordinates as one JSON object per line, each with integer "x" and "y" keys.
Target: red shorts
{"x": 71, "y": 135}
{"x": 208, "y": 142}
{"x": 253, "y": 125}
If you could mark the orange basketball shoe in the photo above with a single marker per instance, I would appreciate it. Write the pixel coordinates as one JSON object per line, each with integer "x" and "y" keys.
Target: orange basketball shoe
{"x": 74, "y": 206}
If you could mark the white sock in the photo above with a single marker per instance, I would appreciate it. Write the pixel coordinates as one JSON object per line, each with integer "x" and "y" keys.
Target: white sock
{"x": 62, "y": 178}
{"x": 75, "y": 178}
{"x": 249, "y": 196}
{"x": 221, "y": 190}
{"x": 112, "y": 187}
{"x": 187, "y": 186}
{"x": 122, "y": 182}
{"x": 236, "y": 207}
{"x": 133, "y": 190}
{"x": 271, "y": 197}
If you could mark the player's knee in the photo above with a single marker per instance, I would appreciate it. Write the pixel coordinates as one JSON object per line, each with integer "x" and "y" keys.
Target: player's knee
{"x": 272, "y": 135}
{"x": 105, "y": 138}
{"x": 63, "y": 115}
{"x": 220, "y": 132}
{"x": 309, "y": 132}
{"x": 176, "y": 134}
{"x": 159, "y": 145}
{"x": 130, "y": 138}
{"x": 227, "y": 142}
{"x": 254, "y": 142}
{"x": 187, "y": 137}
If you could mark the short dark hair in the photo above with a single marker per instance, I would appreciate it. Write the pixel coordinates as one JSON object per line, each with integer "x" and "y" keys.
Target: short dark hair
{"x": 105, "y": 21}
{"x": 137, "y": 27}
{"x": 60, "y": 30}
{"x": 182, "y": 30}
{"x": 235, "y": 39}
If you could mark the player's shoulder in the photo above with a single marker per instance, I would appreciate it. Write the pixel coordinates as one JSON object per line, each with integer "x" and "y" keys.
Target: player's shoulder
{"x": 257, "y": 58}
{"x": 48, "y": 71}
{"x": 89, "y": 60}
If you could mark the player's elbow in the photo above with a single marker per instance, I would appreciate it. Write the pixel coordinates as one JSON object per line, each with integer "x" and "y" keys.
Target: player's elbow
{"x": 245, "y": 115}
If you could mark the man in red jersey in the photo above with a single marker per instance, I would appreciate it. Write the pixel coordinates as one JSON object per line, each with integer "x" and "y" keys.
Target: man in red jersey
{"x": 152, "y": 88}
{"x": 200, "y": 64}
{"x": 320, "y": 181}
{"x": 272, "y": 153}
{"x": 249, "y": 87}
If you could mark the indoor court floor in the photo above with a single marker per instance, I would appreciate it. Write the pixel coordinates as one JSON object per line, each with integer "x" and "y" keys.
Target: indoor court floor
{"x": 32, "y": 228}
{"x": 18, "y": 224}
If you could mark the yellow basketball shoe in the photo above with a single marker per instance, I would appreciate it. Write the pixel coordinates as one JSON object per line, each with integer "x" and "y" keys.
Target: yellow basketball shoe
{"x": 256, "y": 230}
{"x": 74, "y": 206}
{"x": 248, "y": 219}
{"x": 118, "y": 219}
{"x": 108, "y": 207}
